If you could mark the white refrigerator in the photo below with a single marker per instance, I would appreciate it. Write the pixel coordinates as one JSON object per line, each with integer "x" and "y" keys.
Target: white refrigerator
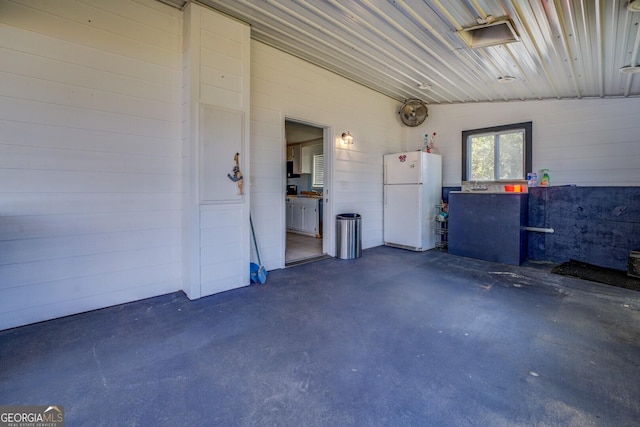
{"x": 412, "y": 189}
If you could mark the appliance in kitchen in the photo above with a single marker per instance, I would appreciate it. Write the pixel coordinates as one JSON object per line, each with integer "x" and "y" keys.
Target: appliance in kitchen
{"x": 292, "y": 190}
{"x": 412, "y": 189}
{"x": 290, "y": 173}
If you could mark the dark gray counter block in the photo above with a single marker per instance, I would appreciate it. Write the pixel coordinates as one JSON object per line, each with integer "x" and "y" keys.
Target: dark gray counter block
{"x": 596, "y": 225}
{"x": 488, "y": 226}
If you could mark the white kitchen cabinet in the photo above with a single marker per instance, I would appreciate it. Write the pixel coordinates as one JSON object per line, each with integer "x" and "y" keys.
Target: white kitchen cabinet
{"x": 310, "y": 218}
{"x": 297, "y": 223}
{"x": 303, "y": 215}
{"x": 294, "y": 154}
{"x": 307, "y": 152}
{"x": 307, "y": 158}
{"x": 289, "y": 215}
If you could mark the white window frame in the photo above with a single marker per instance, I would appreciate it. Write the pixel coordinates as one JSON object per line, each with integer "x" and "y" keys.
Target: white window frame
{"x": 317, "y": 172}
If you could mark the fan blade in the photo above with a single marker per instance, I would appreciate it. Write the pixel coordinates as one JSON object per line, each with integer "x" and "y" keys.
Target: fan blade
{"x": 407, "y": 109}
{"x": 420, "y": 110}
{"x": 413, "y": 112}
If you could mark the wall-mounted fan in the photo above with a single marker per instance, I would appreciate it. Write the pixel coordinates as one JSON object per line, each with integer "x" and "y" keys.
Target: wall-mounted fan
{"x": 413, "y": 112}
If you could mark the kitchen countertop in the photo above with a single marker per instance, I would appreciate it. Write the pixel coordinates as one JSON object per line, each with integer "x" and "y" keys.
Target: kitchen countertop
{"x": 492, "y": 186}
{"x": 487, "y": 192}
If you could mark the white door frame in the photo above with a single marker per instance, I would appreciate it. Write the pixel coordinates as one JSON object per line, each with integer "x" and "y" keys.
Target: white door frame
{"x": 328, "y": 224}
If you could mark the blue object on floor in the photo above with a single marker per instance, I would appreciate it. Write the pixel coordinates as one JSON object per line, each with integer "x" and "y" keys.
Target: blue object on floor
{"x": 257, "y": 273}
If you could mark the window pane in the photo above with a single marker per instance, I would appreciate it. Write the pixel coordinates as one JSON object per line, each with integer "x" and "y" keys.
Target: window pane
{"x": 497, "y": 153}
{"x": 482, "y": 151}
{"x": 511, "y": 149}
{"x": 318, "y": 171}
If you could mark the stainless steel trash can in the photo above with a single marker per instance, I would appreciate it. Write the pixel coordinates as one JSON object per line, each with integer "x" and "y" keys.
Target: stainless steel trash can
{"x": 349, "y": 236}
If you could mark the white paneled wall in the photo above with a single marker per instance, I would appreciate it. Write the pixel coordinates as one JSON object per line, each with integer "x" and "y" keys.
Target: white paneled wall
{"x": 90, "y": 181}
{"x": 284, "y": 86}
{"x": 216, "y": 80}
{"x": 101, "y": 150}
{"x": 588, "y": 142}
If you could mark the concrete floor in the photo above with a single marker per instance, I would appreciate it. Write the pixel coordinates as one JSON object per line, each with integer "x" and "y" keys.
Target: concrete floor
{"x": 395, "y": 338}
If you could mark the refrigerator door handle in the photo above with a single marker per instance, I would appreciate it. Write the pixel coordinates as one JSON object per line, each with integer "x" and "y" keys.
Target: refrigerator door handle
{"x": 385, "y": 196}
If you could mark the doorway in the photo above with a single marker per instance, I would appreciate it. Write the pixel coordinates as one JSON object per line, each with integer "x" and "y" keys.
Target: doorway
{"x": 305, "y": 191}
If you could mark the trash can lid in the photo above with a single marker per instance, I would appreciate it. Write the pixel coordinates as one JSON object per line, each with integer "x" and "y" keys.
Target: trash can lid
{"x": 349, "y": 216}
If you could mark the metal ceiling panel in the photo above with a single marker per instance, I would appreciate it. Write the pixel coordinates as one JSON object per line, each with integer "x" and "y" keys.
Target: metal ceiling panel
{"x": 567, "y": 48}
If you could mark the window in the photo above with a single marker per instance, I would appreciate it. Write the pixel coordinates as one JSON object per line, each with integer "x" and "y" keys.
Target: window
{"x": 496, "y": 153}
{"x": 318, "y": 171}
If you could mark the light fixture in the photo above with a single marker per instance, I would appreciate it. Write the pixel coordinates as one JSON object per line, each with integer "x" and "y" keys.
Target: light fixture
{"x": 347, "y": 138}
{"x": 506, "y": 79}
{"x": 634, "y": 6}
{"x": 630, "y": 69}
{"x": 424, "y": 86}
